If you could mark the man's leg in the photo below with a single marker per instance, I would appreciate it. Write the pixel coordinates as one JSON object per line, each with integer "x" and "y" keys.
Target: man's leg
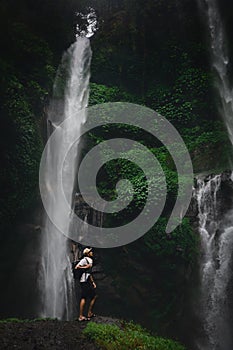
{"x": 81, "y": 308}
{"x": 92, "y": 303}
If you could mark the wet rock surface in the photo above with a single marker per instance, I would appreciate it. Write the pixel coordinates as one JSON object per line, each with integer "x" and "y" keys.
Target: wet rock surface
{"x": 48, "y": 334}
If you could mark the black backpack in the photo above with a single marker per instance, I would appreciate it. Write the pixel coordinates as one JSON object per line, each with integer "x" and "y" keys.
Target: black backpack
{"x": 77, "y": 273}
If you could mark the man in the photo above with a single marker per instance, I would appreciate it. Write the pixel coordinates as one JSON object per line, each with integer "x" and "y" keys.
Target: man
{"x": 87, "y": 285}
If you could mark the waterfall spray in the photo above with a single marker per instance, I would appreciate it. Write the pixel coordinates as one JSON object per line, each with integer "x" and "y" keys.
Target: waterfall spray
{"x": 217, "y": 243}
{"x": 70, "y": 97}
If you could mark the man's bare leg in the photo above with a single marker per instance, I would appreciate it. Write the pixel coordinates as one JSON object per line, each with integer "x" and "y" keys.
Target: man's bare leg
{"x": 81, "y": 309}
{"x": 92, "y": 303}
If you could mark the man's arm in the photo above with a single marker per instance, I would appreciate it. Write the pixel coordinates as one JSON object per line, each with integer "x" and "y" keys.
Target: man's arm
{"x": 83, "y": 267}
{"x": 92, "y": 281}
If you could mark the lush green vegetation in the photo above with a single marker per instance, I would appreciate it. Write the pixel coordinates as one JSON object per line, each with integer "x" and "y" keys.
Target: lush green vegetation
{"x": 138, "y": 57}
{"x": 154, "y": 272}
{"x": 175, "y": 80}
{"x": 27, "y": 73}
{"x": 130, "y": 336}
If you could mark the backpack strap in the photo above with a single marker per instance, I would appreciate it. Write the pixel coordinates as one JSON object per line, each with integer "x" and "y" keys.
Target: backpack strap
{"x": 85, "y": 269}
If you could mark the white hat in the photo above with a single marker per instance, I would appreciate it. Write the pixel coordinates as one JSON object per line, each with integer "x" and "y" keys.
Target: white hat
{"x": 87, "y": 251}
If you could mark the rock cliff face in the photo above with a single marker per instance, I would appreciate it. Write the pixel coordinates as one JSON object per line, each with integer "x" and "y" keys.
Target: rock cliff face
{"x": 19, "y": 265}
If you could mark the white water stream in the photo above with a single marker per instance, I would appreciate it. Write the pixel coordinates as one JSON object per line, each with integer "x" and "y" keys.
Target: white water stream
{"x": 217, "y": 246}
{"x": 71, "y": 92}
{"x": 216, "y": 232}
{"x": 220, "y": 61}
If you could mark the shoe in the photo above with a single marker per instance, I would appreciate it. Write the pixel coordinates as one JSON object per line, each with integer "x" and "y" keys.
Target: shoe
{"x": 83, "y": 319}
{"x": 92, "y": 315}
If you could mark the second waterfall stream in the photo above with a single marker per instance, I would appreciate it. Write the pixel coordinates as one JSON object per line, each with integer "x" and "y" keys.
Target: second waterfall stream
{"x": 216, "y": 227}
{"x": 216, "y": 233}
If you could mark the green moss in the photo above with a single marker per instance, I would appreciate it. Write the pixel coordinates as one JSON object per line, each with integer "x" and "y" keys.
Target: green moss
{"x": 18, "y": 320}
{"x": 21, "y": 152}
{"x": 101, "y": 93}
{"x": 26, "y": 78}
{"x": 187, "y": 101}
{"x": 160, "y": 267}
{"x": 129, "y": 337}
{"x": 12, "y": 320}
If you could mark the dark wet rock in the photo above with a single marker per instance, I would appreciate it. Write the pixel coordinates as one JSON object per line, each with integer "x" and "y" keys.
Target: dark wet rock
{"x": 49, "y": 334}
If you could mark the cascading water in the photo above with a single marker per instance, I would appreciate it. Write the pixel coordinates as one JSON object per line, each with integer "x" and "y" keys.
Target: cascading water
{"x": 216, "y": 233}
{"x": 220, "y": 61}
{"x": 217, "y": 243}
{"x": 56, "y": 281}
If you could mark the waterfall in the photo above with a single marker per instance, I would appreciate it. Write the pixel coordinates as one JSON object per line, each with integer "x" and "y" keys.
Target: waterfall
{"x": 70, "y": 96}
{"x": 217, "y": 244}
{"x": 220, "y": 61}
{"x": 216, "y": 232}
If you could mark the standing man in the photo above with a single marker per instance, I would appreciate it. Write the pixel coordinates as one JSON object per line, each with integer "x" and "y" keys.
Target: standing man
{"x": 87, "y": 284}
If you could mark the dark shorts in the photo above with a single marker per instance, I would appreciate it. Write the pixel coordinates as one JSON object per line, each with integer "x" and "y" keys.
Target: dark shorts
{"x": 87, "y": 290}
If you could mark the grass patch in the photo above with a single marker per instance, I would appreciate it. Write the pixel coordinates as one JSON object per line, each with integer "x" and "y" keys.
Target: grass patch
{"x": 129, "y": 337}
{"x": 17, "y": 320}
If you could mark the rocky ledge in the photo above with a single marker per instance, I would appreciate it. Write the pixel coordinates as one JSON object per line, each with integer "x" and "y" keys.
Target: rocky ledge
{"x": 48, "y": 334}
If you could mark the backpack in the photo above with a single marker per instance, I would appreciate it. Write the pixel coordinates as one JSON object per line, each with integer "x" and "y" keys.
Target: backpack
{"x": 77, "y": 273}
